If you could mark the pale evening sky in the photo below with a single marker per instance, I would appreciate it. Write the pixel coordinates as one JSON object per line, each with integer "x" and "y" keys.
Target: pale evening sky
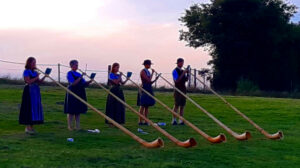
{"x": 97, "y": 33}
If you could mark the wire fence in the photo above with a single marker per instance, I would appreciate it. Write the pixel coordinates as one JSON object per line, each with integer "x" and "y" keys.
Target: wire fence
{"x": 59, "y": 73}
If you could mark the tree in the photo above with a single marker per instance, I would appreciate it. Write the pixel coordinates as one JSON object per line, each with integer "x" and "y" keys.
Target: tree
{"x": 249, "y": 39}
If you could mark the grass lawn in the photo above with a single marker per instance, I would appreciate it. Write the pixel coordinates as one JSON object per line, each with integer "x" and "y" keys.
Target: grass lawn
{"x": 113, "y": 148}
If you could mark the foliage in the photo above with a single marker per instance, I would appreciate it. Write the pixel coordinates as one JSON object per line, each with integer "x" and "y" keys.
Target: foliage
{"x": 253, "y": 39}
{"x": 246, "y": 86}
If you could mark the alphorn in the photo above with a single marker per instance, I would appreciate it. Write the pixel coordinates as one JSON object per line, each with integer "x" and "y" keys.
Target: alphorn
{"x": 188, "y": 143}
{"x": 278, "y": 135}
{"x": 155, "y": 144}
{"x": 243, "y": 136}
{"x": 218, "y": 139}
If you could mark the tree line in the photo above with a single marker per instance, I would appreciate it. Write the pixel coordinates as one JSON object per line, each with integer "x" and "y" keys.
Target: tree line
{"x": 249, "y": 40}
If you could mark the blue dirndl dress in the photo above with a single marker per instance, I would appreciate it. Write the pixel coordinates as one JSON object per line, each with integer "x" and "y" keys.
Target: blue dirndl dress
{"x": 31, "y": 111}
{"x": 73, "y": 105}
{"x": 144, "y": 99}
{"x": 115, "y": 109}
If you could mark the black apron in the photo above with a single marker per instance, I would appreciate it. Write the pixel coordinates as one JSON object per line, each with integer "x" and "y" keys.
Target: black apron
{"x": 72, "y": 104}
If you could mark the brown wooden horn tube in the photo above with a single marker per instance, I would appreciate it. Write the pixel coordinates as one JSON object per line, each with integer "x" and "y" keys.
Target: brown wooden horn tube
{"x": 155, "y": 144}
{"x": 278, "y": 135}
{"x": 188, "y": 143}
{"x": 243, "y": 136}
{"x": 220, "y": 138}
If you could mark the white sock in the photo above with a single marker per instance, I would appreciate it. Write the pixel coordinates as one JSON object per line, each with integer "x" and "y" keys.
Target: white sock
{"x": 173, "y": 119}
{"x": 180, "y": 121}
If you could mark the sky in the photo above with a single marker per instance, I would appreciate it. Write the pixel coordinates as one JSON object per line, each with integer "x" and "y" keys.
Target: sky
{"x": 97, "y": 33}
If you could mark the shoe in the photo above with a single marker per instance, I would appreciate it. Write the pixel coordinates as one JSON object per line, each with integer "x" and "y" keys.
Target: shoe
{"x": 174, "y": 122}
{"x": 111, "y": 125}
{"x": 140, "y": 123}
{"x": 33, "y": 130}
{"x": 30, "y": 132}
{"x": 181, "y": 123}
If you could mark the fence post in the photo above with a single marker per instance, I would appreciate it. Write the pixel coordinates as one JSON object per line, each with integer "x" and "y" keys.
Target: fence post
{"x": 189, "y": 78}
{"x": 155, "y": 85}
{"x": 204, "y": 80}
{"x": 108, "y": 71}
{"x": 195, "y": 78}
{"x": 58, "y": 71}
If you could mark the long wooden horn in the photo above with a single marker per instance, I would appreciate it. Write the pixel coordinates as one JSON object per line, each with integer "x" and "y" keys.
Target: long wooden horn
{"x": 188, "y": 143}
{"x": 155, "y": 144}
{"x": 218, "y": 139}
{"x": 278, "y": 135}
{"x": 243, "y": 136}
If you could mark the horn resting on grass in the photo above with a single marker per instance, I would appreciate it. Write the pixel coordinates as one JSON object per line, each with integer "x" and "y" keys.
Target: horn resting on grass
{"x": 278, "y": 135}
{"x": 188, "y": 143}
{"x": 220, "y": 138}
{"x": 155, "y": 144}
{"x": 243, "y": 136}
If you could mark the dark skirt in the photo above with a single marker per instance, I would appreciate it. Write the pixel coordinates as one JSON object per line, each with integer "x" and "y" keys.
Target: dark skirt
{"x": 115, "y": 109}
{"x": 31, "y": 111}
{"x": 73, "y": 105}
{"x": 144, "y": 99}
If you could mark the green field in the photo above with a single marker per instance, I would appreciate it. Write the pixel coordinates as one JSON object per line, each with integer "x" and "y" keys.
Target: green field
{"x": 113, "y": 148}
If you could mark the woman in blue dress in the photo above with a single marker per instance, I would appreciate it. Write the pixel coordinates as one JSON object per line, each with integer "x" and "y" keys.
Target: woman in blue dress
{"x": 31, "y": 112}
{"x": 115, "y": 109}
{"x": 73, "y": 107}
{"x": 144, "y": 100}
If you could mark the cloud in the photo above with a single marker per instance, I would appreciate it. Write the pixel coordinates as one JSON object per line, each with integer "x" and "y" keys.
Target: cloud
{"x": 96, "y": 32}
{"x": 75, "y": 16}
{"x": 129, "y": 47}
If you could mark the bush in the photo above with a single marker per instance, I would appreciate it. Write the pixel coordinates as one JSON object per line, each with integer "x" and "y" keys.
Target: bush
{"x": 246, "y": 86}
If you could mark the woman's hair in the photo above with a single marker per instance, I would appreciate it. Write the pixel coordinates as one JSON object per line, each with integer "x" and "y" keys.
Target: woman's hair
{"x": 114, "y": 65}
{"x": 29, "y": 62}
{"x": 73, "y": 62}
